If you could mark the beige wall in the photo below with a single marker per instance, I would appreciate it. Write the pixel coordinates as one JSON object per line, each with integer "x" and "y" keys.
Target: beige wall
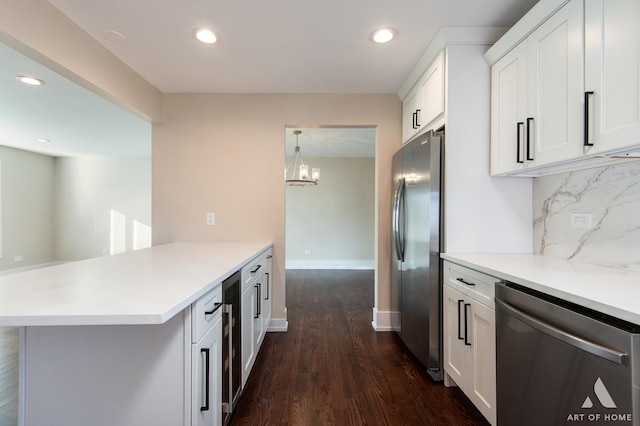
{"x": 334, "y": 220}
{"x": 27, "y": 208}
{"x": 224, "y": 153}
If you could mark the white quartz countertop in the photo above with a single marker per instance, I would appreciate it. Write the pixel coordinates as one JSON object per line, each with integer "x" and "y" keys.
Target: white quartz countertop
{"x": 140, "y": 287}
{"x": 613, "y": 291}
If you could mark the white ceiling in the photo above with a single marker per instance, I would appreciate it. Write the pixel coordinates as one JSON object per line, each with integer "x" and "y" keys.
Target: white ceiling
{"x": 76, "y": 121}
{"x": 275, "y": 46}
{"x": 357, "y": 142}
{"x": 279, "y": 46}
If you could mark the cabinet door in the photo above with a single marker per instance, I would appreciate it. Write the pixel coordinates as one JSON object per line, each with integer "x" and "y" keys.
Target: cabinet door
{"x": 266, "y": 299}
{"x": 410, "y": 115}
{"x": 455, "y": 350}
{"x": 258, "y": 330}
{"x": 431, "y": 97}
{"x": 553, "y": 126}
{"x": 612, "y": 73}
{"x": 247, "y": 306}
{"x": 508, "y": 110}
{"x": 206, "y": 392}
{"x": 482, "y": 380}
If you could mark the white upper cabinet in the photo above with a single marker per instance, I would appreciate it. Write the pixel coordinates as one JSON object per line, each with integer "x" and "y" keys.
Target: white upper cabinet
{"x": 425, "y": 103}
{"x": 612, "y": 74}
{"x": 508, "y": 110}
{"x": 582, "y": 72}
{"x": 553, "y": 127}
{"x": 536, "y": 96}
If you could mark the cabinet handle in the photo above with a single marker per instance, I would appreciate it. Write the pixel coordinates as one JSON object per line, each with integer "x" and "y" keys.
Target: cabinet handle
{"x": 257, "y": 314}
{"x": 268, "y": 279}
{"x": 413, "y": 120}
{"x": 466, "y": 327}
{"x": 417, "y": 124}
{"x": 464, "y": 282}
{"x": 529, "y": 157}
{"x": 206, "y": 379}
{"x": 460, "y": 301}
{"x": 269, "y": 256}
{"x": 587, "y": 95}
{"x": 518, "y": 124}
{"x": 254, "y": 270}
{"x": 216, "y": 306}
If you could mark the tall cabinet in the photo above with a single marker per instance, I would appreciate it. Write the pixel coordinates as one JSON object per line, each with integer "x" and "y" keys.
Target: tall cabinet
{"x": 480, "y": 214}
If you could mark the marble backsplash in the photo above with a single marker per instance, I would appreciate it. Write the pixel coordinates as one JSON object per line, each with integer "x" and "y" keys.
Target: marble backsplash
{"x": 611, "y": 194}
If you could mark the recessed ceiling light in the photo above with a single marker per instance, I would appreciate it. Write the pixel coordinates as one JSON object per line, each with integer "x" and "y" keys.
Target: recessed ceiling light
{"x": 113, "y": 36}
{"x": 205, "y": 35}
{"x": 42, "y": 140}
{"x": 31, "y": 81}
{"x": 382, "y": 35}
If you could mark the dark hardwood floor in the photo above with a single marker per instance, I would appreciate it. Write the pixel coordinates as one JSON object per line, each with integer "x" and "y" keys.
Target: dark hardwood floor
{"x": 332, "y": 368}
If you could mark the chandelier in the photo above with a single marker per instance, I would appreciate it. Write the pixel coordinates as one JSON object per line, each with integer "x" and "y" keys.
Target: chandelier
{"x": 296, "y": 165}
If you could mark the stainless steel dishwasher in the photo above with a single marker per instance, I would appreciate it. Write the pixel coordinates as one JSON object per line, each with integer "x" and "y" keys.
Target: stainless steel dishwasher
{"x": 559, "y": 363}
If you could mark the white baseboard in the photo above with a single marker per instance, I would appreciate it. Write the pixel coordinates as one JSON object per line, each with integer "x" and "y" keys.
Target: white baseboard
{"x": 329, "y": 264}
{"x": 278, "y": 325}
{"x": 382, "y": 320}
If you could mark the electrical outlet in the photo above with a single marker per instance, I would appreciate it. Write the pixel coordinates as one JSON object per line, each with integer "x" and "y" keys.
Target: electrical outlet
{"x": 581, "y": 220}
{"x": 211, "y": 218}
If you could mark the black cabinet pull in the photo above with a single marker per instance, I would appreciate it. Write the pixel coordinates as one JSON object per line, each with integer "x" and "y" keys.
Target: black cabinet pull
{"x": 268, "y": 279}
{"x": 466, "y": 326}
{"x": 413, "y": 120}
{"x": 417, "y": 124}
{"x": 254, "y": 270}
{"x": 529, "y": 150}
{"x": 587, "y": 95}
{"x": 206, "y": 379}
{"x": 518, "y": 124}
{"x": 464, "y": 282}
{"x": 216, "y": 306}
{"x": 257, "y": 314}
{"x": 460, "y": 302}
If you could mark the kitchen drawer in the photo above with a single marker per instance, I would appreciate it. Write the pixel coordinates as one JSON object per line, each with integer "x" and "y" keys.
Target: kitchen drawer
{"x": 204, "y": 313}
{"x": 254, "y": 269}
{"x": 478, "y": 286}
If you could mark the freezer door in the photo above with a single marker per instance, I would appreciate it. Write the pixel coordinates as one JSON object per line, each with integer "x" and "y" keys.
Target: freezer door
{"x": 397, "y": 233}
{"x": 420, "y": 296}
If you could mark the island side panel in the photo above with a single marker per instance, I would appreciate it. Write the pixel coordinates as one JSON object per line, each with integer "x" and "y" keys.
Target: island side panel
{"x": 106, "y": 375}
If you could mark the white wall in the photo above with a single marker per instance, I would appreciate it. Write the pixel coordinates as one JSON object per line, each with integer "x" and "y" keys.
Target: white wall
{"x": 86, "y": 190}
{"x": 611, "y": 195}
{"x": 335, "y": 219}
{"x": 27, "y": 208}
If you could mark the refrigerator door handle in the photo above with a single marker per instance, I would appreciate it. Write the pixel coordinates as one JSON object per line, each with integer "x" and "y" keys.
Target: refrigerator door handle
{"x": 398, "y": 238}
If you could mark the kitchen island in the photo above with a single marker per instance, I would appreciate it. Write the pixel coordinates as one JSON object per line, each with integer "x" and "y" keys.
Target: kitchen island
{"x": 108, "y": 341}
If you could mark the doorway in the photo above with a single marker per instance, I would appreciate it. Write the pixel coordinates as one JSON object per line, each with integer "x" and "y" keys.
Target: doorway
{"x": 331, "y": 225}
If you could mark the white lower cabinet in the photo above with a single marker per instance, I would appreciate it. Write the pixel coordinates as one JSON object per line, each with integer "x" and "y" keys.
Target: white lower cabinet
{"x": 469, "y": 336}
{"x": 206, "y": 380}
{"x": 256, "y": 308}
{"x": 248, "y": 306}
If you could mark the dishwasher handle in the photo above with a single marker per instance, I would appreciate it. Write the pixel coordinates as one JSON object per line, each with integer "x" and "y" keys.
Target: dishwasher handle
{"x": 566, "y": 337}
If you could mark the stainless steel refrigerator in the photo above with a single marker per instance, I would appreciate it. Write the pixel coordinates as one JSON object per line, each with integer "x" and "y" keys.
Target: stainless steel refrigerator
{"x": 417, "y": 239}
